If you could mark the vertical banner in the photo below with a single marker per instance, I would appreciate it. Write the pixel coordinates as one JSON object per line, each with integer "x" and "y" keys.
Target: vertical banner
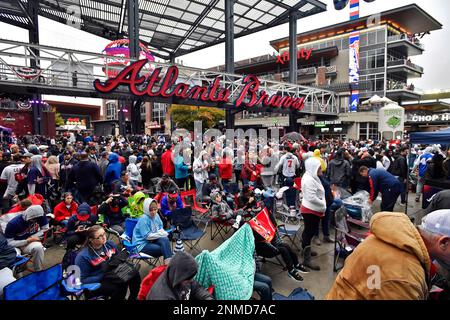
{"x": 353, "y": 71}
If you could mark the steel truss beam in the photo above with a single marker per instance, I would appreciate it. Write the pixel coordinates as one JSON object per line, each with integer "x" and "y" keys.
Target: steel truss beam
{"x": 57, "y": 66}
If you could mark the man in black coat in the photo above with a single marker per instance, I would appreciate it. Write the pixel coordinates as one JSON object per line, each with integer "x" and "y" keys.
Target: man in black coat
{"x": 364, "y": 159}
{"x": 85, "y": 175}
{"x": 400, "y": 170}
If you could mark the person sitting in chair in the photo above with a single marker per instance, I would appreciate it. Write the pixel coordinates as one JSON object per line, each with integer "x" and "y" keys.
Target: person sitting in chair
{"x": 92, "y": 261}
{"x": 171, "y": 202}
{"x": 247, "y": 200}
{"x": 149, "y": 234}
{"x": 166, "y": 185}
{"x": 111, "y": 209}
{"x": 78, "y": 225}
{"x": 177, "y": 281}
{"x": 65, "y": 209}
{"x": 212, "y": 186}
{"x": 26, "y": 231}
{"x": 220, "y": 210}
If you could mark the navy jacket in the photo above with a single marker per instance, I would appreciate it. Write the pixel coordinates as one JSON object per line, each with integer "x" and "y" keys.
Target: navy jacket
{"x": 74, "y": 223}
{"x": 382, "y": 181}
{"x": 19, "y": 229}
{"x": 86, "y": 176}
{"x": 91, "y": 265}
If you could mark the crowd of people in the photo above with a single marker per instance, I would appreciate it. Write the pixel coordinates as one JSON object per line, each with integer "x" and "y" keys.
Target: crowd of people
{"x": 91, "y": 185}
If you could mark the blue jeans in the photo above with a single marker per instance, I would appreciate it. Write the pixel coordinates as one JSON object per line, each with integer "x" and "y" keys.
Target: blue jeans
{"x": 263, "y": 286}
{"x": 158, "y": 248}
{"x": 199, "y": 190}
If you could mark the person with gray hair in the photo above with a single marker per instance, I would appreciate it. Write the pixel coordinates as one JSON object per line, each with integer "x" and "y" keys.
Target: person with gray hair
{"x": 25, "y": 232}
{"x": 38, "y": 177}
{"x": 394, "y": 261}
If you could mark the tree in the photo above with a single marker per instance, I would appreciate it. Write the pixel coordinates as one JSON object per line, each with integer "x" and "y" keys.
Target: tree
{"x": 184, "y": 116}
{"x": 59, "y": 121}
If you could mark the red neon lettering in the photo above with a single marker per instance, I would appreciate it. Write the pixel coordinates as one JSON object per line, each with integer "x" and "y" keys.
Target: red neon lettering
{"x": 251, "y": 87}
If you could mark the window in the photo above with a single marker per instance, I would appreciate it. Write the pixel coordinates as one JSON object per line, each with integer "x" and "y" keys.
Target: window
{"x": 111, "y": 110}
{"x": 381, "y": 36}
{"x": 371, "y": 38}
{"x": 159, "y": 111}
{"x": 363, "y": 40}
{"x": 368, "y": 130}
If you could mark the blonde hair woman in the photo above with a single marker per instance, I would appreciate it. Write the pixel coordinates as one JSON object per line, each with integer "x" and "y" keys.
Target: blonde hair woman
{"x": 52, "y": 165}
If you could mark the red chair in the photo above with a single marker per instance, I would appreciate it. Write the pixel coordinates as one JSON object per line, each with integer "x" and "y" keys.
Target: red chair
{"x": 192, "y": 194}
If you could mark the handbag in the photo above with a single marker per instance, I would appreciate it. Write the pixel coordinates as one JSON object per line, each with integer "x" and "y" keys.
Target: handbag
{"x": 119, "y": 269}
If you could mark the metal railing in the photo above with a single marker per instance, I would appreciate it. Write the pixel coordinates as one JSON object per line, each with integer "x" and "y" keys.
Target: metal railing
{"x": 401, "y": 86}
{"x": 404, "y": 62}
{"x": 403, "y": 37}
{"x": 62, "y": 69}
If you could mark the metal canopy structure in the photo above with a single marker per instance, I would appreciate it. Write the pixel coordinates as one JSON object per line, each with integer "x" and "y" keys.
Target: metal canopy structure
{"x": 170, "y": 28}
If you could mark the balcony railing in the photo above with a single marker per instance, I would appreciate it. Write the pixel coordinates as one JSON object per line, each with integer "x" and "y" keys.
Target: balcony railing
{"x": 310, "y": 71}
{"x": 397, "y": 85}
{"x": 404, "y": 37}
{"x": 404, "y": 62}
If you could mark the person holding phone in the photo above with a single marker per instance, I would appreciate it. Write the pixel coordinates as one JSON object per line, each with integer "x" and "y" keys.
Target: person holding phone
{"x": 78, "y": 224}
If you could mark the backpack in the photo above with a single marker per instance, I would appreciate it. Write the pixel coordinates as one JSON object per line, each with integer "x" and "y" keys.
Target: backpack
{"x": 69, "y": 258}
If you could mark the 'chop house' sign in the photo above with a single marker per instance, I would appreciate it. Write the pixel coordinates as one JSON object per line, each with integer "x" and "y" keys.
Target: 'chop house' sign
{"x": 166, "y": 86}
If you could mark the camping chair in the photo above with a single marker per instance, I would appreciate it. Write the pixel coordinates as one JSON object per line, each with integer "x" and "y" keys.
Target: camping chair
{"x": 19, "y": 265}
{"x": 262, "y": 225}
{"x": 188, "y": 231}
{"x": 220, "y": 228}
{"x": 47, "y": 284}
{"x": 127, "y": 243}
{"x": 200, "y": 214}
{"x": 346, "y": 239}
{"x": 291, "y": 221}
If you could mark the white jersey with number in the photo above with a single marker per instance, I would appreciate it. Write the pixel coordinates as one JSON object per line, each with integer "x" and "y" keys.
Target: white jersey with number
{"x": 289, "y": 163}
{"x": 8, "y": 174}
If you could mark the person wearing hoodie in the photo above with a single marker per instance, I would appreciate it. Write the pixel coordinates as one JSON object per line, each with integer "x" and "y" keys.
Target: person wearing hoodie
{"x": 181, "y": 171}
{"x": 167, "y": 162}
{"x": 171, "y": 202}
{"x": 103, "y": 163}
{"x": 111, "y": 209}
{"x": 220, "y": 210}
{"x": 200, "y": 169}
{"x": 7, "y": 257}
{"x": 113, "y": 169}
{"x": 339, "y": 170}
{"x": 149, "y": 234}
{"x": 26, "y": 231}
{"x": 318, "y": 155}
{"x": 38, "y": 177}
{"x": 166, "y": 185}
{"x": 422, "y": 164}
{"x": 92, "y": 261}
{"x": 394, "y": 261}
{"x": 133, "y": 172}
{"x": 313, "y": 206}
{"x": 78, "y": 225}
{"x": 177, "y": 281}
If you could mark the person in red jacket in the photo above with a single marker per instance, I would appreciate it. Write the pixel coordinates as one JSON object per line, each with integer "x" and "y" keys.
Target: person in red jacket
{"x": 65, "y": 209}
{"x": 167, "y": 164}
{"x": 226, "y": 168}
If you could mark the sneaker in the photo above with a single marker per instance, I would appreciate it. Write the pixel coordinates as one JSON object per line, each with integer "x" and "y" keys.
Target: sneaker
{"x": 417, "y": 199}
{"x": 317, "y": 241}
{"x": 402, "y": 204}
{"x": 328, "y": 239}
{"x": 301, "y": 268}
{"x": 294, "y": 274}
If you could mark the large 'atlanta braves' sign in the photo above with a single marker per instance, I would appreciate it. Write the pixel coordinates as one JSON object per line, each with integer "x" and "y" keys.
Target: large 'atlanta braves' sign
{"x": 166, "y": 86}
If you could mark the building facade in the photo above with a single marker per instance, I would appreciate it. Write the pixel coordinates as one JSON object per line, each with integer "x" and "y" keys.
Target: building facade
{"x": 388, "y": 43}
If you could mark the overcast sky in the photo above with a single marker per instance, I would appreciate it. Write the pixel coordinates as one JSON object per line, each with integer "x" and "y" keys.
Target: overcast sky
{"x": 434, "y": 60}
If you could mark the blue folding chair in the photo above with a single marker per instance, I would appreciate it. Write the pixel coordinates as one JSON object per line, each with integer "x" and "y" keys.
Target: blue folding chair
{"x": 131, "y": 247}
{"x": 186, "y": 229}
{"x": 19, "y": 265}
{"x": 47, "y": 284}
